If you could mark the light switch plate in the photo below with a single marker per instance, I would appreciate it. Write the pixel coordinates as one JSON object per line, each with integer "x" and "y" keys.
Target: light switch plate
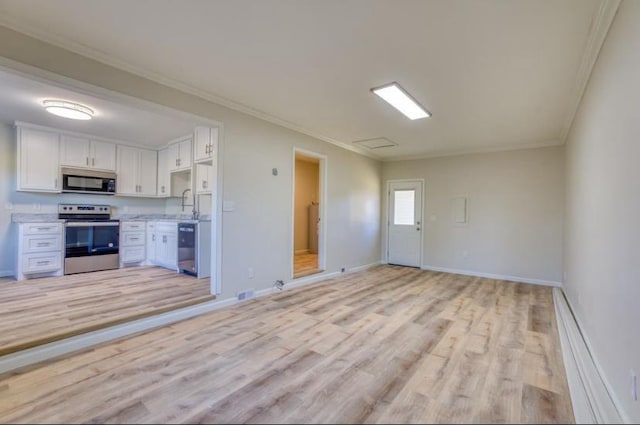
{"x": 228, "y": 206}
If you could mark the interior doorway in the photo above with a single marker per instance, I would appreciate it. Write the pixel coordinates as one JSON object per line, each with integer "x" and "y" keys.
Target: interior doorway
{"x": 308, "y": 209}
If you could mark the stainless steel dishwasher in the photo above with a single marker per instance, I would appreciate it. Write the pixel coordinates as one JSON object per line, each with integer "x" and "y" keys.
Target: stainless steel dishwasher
{"x": 188, "y": 248}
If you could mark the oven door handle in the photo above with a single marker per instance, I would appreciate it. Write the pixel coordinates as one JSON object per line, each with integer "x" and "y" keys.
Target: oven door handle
{"x": 92, "y": 224}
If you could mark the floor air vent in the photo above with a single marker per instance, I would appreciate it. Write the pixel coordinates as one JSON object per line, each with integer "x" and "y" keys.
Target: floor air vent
{"x": 245, "y": 295}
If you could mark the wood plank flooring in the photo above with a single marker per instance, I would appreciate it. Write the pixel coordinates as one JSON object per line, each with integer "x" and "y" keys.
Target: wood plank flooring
{"x": 38, "y": 311}
{"x": 388, "y": 345}
{"x": 305, "y": 265}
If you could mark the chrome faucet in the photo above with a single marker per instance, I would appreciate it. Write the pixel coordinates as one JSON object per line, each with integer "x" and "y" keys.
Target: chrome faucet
{"x": 183, "y": 204}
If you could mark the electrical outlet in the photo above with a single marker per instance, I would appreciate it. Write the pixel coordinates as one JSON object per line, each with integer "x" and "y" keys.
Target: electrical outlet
{"x": 634, "y": 385}
{"x": 250, "y": 273}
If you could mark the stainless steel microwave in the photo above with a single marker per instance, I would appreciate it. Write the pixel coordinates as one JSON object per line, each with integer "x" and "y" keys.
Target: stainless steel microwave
{"x": 78, "y": 180}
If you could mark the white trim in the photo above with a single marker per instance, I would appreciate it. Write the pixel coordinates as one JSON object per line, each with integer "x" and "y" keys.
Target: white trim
{"x": 474, "y": 151}
{"x": 323, "y": 166}
{"x": 109, "y": 60}
{"x": 597, "y": 34}
{"x": 494, "y": 276}
{"x": 591, "y": 397}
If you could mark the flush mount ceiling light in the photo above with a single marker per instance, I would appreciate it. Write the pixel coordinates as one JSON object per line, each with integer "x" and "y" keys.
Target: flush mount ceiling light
{"x": 65, "y": 109}
{"x": 398, "y": 97}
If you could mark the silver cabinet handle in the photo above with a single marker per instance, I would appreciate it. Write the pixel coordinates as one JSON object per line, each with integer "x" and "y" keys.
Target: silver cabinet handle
{"x": 45, "y": 228}
{"x": 153, "y": 237}
{"x": 43, "y": 244}
{"x": 162, "y": 189}
{"x": 55, "y": 184}
{"x": 93, "y": 161}
{"x": 42, "y": 263}
{"x": 87, "y": 162}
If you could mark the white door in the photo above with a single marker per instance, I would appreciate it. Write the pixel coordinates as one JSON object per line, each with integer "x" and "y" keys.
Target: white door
{"x": 405, "y": 223}
{"x": 38, "y": 168}
{"x": 163, "y": 173}
{"x": 201, "y": 143}
{"x": 103, "y": 155}
{"x": 74, "y": 152}
{"x": 147, "y": 172}
{"x": 185, "y": 155}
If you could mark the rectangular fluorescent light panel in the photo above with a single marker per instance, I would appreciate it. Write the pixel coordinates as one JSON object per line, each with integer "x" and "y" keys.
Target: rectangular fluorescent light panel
{"x": 397, "y": 97}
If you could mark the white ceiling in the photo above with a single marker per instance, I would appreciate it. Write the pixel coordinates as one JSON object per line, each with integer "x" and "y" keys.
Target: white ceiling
{"x": 496, "y": 74}
{"x": 21, "y": 100}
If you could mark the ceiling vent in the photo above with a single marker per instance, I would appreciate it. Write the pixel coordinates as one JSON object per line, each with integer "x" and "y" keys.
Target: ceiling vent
{"x": 377, "y": 143}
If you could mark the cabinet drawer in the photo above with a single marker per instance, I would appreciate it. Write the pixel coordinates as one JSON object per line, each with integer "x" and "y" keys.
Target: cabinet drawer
{"x": 42, "y": 243}
{"x": 41, "y": 228}
{"x": 132, "y": 254}
{"x": 166, "y": 226}
{"x": 132, "y": 239}
{"x": 132, "y": 226}
{"x": 41, "y": 263}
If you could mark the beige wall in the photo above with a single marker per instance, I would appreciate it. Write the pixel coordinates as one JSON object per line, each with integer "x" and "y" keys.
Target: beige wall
{"x": 515, "y": 212}
{"x": 259, "y": 232}
{"x": 307, "y": 186}
{"x": 602, "y": 243}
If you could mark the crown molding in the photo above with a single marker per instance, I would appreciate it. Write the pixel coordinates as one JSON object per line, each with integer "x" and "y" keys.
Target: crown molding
{"x": 598, "y": 31}
{"x": 102, "y": 57}
{"x": 491, "y": 149}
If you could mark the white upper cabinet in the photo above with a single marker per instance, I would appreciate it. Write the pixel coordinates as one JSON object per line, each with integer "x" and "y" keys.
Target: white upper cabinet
{"x": 103, "y": 155}
{"x": 38, "y": 167}
{"x": 164, "y": 178}
{"x": 180, "y": 155}
{"x": 86, "y": 153}
{"x": 137, "y": 171}
{"x": 204, "y": 178}
{"x": 205, "y": 143}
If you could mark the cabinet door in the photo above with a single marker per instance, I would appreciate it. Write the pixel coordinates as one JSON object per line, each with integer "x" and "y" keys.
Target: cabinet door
{"x": 74, "y": 152}
{"x": 171, "y": 252}
{"x": 38, "y": 166}
{"x": 174, "y": 156}
{"x": 151, "y": 243}
{"x": 127, "y": 166}
{"x": 186, "y": 154}
{"x": 147, "y": 174}
{"x": 103, "y": 155}
{"x": 203, "y": 178}
{"x": 201, "y": 142}
{"x": 164, "y": 179}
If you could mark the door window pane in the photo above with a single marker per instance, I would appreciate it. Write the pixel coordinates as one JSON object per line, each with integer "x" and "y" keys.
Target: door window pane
{"x": 403, "y": 207}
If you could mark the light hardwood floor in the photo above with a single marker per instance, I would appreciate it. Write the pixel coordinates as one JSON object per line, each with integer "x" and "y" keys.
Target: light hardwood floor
{"x": 305, "y": 265}
{"x": 37, "y": 311}
{"x": 390, "y": 344}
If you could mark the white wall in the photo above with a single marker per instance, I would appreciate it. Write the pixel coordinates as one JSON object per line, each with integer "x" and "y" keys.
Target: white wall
{"x": 48, "y": 203}
{"x": 259, "y": 233}
{"x": 515, "y": 211}
{"x": 602, "y": 243}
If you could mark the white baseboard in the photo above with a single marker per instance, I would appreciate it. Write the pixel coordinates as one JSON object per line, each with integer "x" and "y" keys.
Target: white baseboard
{"x": 494, "y": 276}
{"x": 6, "y": 273}
{"x": 590, "y": 396}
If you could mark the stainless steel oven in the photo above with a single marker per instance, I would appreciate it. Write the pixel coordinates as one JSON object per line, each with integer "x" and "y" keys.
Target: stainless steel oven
{"x": 92, "y": 238}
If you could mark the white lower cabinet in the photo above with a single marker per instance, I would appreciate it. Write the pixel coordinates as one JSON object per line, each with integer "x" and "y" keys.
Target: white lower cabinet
{"x": 162, "y": 243}
{"x": 132, "y": 242}
{"x": 40, "y": 250}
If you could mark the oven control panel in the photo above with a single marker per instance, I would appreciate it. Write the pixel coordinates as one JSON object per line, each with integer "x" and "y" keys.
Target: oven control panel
{"x": 84, "y": 209}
